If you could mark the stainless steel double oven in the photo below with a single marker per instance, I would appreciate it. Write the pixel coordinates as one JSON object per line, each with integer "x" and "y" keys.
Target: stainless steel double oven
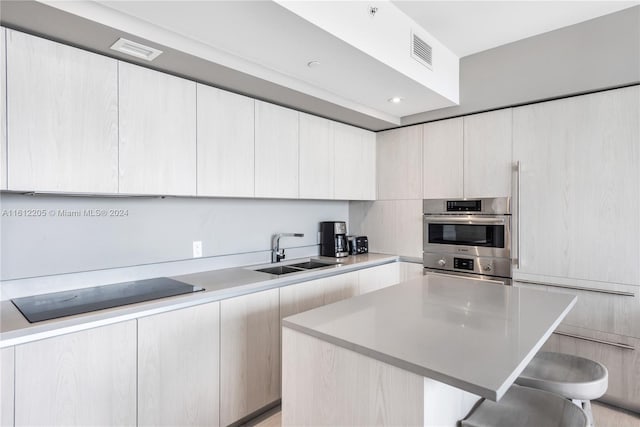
{"x": 468, "y": 237}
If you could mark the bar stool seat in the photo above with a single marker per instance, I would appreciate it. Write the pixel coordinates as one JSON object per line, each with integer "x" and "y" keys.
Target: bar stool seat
{"x": 570, "y": 376}
{"x": 527, "y": 407}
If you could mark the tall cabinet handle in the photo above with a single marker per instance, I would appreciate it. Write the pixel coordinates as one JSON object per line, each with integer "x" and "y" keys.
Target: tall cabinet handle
{"x": 612, "y": 344}
{"x": 515, "y": 218}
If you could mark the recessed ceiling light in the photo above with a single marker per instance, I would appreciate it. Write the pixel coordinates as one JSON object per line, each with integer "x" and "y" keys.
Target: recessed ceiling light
{"x": 395, "y": 100}
{"x": 136, "y": 49}
{"x": 312, "y": 64}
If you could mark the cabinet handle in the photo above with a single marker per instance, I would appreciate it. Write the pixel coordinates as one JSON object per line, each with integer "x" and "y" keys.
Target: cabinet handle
{"x": 580, "y": 288}
{"x": 612, "y": 344}
{"x": 515, "y": 226}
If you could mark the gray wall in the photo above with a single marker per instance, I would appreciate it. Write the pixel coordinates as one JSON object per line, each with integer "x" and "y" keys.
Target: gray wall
{"x": 596, "y": 54}
{"x": 155, "y": 230}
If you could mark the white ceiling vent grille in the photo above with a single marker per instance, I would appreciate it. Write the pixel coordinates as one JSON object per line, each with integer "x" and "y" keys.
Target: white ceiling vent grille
{"x": 421, "y": 51}
{"x": 136, "y": 49}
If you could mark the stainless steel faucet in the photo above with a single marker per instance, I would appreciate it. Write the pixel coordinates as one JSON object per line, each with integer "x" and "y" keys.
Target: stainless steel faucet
{"x": 277, "y": 254}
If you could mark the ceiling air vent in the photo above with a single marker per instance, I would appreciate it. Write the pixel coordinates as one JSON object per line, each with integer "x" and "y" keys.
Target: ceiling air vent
{"x": 421, "y": 51}
{"x": 136, "y": 49}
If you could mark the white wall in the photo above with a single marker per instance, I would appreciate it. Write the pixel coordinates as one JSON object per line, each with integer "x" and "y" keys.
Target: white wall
{"x": 155, "y": 230}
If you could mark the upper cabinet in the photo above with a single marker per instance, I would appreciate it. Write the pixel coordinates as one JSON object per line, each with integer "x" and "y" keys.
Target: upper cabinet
{"x": 316, "y": 157}
{"x": 62, "y": 117}
{"x": 443, "y": 159}
{"x": 225, "y": 143}
{"x": 399, "y": 163}
{"x": 157, "y": 132}
{"x": 355, "y": 164}
{"x": 580, "y": 187}
{"x": 468, "y": 156}
{"x": 487, "y": 154}
{"x": 276, "y": 151}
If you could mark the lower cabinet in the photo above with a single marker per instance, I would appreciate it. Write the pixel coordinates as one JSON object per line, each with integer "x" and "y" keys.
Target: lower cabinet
{"x": 372, "y": 279}
{"x": 316, "y": 293}
{"x": 6, "y": 386}
{"x": 249, "y": 354}
{"x": 620, "y": 354}
{"x": 410, "y": 270}
{"x": 178, "y": 367}
{"x": 79, "y": 379}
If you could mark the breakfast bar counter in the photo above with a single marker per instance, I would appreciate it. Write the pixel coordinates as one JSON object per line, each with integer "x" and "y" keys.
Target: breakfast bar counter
{"x": 419, "y": 353}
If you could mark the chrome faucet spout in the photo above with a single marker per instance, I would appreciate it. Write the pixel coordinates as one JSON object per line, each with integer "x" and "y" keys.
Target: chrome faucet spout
{"x": 277, "y": 254}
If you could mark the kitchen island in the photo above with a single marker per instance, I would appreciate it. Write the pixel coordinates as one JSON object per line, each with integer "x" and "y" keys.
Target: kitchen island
{"x": 419, "y": 353}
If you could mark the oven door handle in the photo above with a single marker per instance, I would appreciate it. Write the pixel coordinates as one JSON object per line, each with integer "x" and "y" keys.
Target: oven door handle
{"x": 473, "y": 220}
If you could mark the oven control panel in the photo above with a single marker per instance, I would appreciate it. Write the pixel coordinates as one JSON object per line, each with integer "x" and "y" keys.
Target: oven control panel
{"x": 469, "y": 264}
{"x": 463, "y": 264}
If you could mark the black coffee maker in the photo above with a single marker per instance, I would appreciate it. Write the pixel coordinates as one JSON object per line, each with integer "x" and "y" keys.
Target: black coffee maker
{"x": 333, "y": 239}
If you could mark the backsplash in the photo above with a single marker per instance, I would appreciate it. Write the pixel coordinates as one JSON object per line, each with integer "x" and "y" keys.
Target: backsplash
{"x": 46, "y": 235}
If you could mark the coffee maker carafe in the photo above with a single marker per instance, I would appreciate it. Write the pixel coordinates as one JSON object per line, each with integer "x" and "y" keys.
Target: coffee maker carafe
{"x": 333, "y": 239}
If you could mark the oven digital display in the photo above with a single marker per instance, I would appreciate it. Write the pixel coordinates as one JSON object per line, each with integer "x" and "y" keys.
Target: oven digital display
{"x": 463, "y": 264}
{"x": 464, "y": 206}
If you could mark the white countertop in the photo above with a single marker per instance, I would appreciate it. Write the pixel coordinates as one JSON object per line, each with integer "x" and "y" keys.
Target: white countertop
{"x": 463, "y": 332}
{"x": 217, "y": 284}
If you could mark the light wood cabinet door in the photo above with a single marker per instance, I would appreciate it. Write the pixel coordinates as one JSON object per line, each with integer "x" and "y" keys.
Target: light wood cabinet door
{"x": 620, "y": 354}
{"x": 6, "y": 386}
{"x": 276, "y": 147}
{"x": 306, "y": 296}
{"x": 249, "y": 354}
{"x": 178, "y": 367}
{"x": 410, "y": 271}
{"x": 316, "y": 157}
{"x": 355, "y": 165}
{"x": 3, "y": 111}
{"x": 580, "y": 187}
{"x": 443, "y": 159}
{"x": 62, "y": 123}
{"x": 399, "y": 163}
{"x": 225, "y": 143}
{"x": 80, "y": 379}
{"x": 157, "y": 132}
{"x": 487, "y": 154}
{"x": 382, "y": 276}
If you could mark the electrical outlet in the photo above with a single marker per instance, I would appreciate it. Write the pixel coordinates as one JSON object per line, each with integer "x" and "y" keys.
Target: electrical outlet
{"x": 197, "y": 249}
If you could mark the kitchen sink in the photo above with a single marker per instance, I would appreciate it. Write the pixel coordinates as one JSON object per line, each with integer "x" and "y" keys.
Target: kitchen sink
{"x": 295, "y": 268}
{"x": 281, "y": 269}
{"x": 310, "y": 265}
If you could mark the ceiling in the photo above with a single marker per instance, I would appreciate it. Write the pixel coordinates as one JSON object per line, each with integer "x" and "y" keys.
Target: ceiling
{"x": 262, "y": 48}
{"x": 468, "y": 27}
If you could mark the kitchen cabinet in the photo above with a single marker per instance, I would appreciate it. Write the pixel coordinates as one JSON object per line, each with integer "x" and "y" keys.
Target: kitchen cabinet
{"x": 62, "y": 117}
{"x": 79, "y": 379}
{"x": 276, "y": 151}
{"x": 620, "y": 354}
{"x": 487, "y": 154}
{"x": 3, "y": 111}
{"x": 410, "y": 270}
{"x": 443, "y": 151}
{"x": 225, "y": 132}
{"x": 6, "y": 385}
{"x": 157, "y": 132}
{"x": 399, "y": 163}
{"x": 249, "y": 354}
{"x": 178, "y": 367}
{"x": 316, "y": 157}
{"x": 375, "y": 278}
{"x": 355, "y": 163}
{"x": 305, "y": 296}
{"x": 580, "y": 187}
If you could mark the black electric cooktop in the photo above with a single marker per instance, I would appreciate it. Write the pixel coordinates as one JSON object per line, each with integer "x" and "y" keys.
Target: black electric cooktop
{"x": 67, "y": 303}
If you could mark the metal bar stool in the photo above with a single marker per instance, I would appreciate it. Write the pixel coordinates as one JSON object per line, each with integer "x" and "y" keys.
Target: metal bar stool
{"x": 527, "y": 407}
{"x": 573, "y": 377}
